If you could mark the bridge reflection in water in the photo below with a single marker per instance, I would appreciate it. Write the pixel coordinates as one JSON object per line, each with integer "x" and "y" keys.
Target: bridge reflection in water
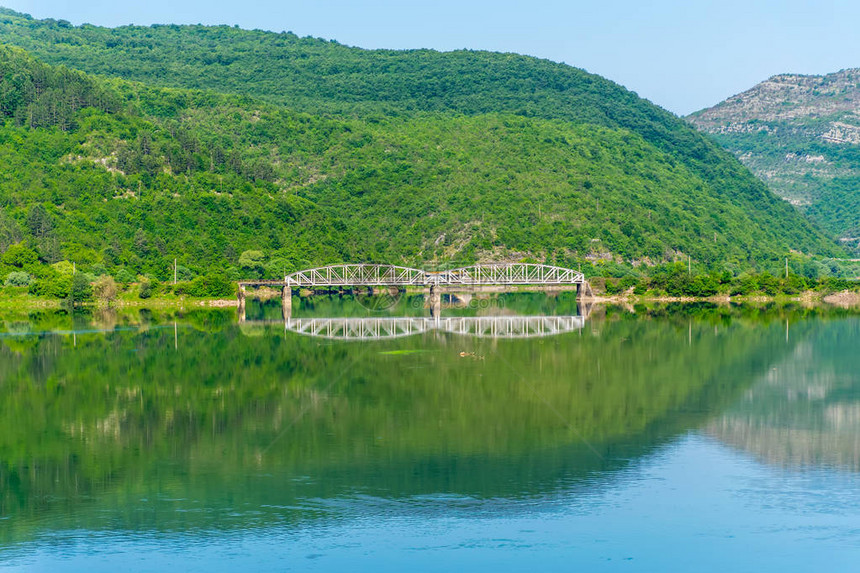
{"x": 374, "y": 328}
{"x": 387, "y": 327}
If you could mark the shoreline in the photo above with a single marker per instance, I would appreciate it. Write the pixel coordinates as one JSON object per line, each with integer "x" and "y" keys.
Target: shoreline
{"x": 844, "y": 299}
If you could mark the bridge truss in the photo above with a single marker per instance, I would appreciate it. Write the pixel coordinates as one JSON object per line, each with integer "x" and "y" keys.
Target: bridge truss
{"x": 507, "y": 274}
{"x": 370, "y": 275}
{"x": 357, "y": 275}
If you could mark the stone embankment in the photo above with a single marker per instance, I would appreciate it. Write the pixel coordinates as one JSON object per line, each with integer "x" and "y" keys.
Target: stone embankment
{"x": 844, "y": 299}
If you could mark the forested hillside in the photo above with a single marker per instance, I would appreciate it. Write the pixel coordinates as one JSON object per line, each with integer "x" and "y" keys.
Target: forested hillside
{"x": 125, "y": 177}
{"x": 324, "y": 77}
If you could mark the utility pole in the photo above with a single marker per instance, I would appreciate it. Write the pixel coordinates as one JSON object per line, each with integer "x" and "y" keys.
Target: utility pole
{"x": 689, "y": 265}
{"x": 174, "y": 272}
{"x": 786, "y": 268}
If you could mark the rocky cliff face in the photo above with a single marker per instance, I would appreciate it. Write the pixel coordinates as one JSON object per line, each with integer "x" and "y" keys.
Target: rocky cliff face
{"x": 801, "y": 134}
{"x": 786, "y": 97}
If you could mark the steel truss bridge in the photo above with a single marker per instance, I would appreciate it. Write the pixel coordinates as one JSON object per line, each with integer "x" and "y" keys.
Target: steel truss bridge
{"x": 371, "y": 275}
{"x": 378, "y": 328}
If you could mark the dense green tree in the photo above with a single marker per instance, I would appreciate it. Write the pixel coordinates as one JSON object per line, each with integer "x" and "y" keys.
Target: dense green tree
{"x": 53, "y": 286}
{"x": 146, "y": 287}
{"x": 747, "y": 284}
{"x": 81, "y": 289}
{"x": 10, "y": 231}
{"x": 19, "y": 255}
{"x": 252, "y": 261}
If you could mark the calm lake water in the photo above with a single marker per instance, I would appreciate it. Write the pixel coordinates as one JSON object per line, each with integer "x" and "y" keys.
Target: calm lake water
{"x": 685, "y": 438}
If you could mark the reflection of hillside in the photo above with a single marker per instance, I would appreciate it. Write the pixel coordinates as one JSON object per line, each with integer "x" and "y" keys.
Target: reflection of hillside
{"x": 806, "y": 410}
{"x": 792, "y": 447}
{"x": 271, "y": 420}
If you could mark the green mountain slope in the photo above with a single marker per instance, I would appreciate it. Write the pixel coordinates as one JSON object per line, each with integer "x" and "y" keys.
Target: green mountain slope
{"x": 801, "y": 134}
{"x": 319, "y": 76}
{"x": 132, "y": 176}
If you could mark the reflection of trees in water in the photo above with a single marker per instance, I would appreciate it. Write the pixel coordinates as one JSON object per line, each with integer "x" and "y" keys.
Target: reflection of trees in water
{"x": 277, "y": 418}
{"x": 805, "y": 412}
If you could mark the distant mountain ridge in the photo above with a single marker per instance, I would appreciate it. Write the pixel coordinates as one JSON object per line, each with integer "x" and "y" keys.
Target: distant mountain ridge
{"x": 785, "y": 97}
{"x": 801, "y": 134}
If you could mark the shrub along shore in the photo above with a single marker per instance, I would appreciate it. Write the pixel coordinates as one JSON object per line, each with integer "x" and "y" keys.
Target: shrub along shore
{"x": 26, "y": 279}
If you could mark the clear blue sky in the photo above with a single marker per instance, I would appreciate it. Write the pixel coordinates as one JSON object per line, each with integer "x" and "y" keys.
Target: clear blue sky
{"x": 682, "y": 55}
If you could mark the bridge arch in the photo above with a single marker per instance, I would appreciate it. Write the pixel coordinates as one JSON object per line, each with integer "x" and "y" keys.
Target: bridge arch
{"x": 356, "y": 274}
{"x": 507, "y": 274}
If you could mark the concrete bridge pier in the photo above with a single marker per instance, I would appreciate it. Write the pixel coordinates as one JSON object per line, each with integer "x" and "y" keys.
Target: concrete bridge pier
{"x": 240, "y": 294}
{"x": 583, "y": 290}
{"x": 287, "y": 302}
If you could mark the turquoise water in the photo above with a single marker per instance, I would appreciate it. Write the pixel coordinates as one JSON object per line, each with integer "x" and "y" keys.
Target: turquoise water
{"x": 665, "y": 439}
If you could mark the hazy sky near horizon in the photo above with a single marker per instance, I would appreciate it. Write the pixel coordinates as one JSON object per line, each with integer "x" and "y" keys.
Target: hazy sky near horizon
{"x": 682, "y": 55}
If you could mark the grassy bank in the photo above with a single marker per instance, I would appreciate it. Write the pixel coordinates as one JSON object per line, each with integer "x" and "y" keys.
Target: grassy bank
{"x": 17, "y": 298}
